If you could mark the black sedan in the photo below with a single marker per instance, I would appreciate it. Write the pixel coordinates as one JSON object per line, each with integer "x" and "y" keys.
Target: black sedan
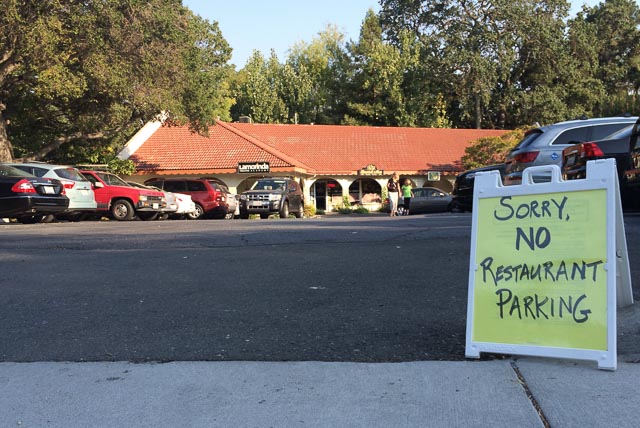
{"x": 28, "y": 198}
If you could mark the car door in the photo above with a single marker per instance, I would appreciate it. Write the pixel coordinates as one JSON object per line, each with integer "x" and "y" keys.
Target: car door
{"x": 630, "y": 185}
{"x": 418, "y": 203}
{"x": 437, "y": 200}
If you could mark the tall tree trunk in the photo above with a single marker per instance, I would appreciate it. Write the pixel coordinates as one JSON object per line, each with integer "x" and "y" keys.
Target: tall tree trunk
{"x": 478, "y": 112}
{"x": 6, "y": 150}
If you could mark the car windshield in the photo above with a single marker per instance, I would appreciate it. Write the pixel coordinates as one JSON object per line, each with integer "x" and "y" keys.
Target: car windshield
{"x": 269, "y": 185}
{"x": 9, "y": 171}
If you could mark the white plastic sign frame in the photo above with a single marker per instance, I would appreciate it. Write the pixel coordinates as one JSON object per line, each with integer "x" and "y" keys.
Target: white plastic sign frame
{"x": 601, "y": 175}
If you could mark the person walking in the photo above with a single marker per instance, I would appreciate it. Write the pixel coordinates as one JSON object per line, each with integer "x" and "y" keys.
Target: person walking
{"x": 393, "y": 189}
{"x": 407, "y": 194}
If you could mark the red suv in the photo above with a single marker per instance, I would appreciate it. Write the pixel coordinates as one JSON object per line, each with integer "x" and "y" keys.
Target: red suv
{"x": 210, "y": 199}
{"x": 122, "y": 201}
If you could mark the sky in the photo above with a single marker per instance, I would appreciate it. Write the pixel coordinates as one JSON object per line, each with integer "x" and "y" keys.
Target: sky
{"x": 279, "y": 24}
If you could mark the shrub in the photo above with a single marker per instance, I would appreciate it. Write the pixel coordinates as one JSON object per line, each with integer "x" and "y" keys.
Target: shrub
{"x": 309, "y": 211}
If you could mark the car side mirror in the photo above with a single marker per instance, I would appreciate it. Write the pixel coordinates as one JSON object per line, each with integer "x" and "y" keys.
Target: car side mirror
{"x": 98, "y": 185}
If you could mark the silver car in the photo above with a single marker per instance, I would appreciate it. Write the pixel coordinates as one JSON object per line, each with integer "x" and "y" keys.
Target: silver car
{"x": 544, "y": 145}
{"x": 77, "y": 188}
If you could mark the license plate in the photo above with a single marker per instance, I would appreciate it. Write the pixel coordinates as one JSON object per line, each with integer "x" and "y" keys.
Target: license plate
{"x": 258, "y": 203}
{"x": 84, "y": 192}
{"x": 155, "y": 206}
{"x": 48, "y": 190}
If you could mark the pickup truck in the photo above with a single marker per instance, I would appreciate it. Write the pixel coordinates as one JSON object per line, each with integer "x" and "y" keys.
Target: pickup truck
{"x": 121, "y": 201}
{"x": 619, "y": 145}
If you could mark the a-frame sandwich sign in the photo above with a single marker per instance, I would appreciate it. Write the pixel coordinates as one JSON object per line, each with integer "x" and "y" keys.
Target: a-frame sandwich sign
{"x": 548, "y": 261}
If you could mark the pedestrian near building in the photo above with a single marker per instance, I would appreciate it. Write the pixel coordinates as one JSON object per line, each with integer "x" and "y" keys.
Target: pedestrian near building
{"x": 393, "y": 188}
{"x": 407, "y": 194}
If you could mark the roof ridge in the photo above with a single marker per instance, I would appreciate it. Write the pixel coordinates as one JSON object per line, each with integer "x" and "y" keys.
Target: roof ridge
{"x": 229, "y": 127}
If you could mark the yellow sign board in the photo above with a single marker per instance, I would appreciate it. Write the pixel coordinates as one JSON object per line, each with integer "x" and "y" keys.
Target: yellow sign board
{"x": 547, "y": 263}
{"x": 541, "y": 277}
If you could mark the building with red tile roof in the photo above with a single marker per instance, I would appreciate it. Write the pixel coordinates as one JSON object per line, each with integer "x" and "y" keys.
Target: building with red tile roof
{"x": 330, "y": 161}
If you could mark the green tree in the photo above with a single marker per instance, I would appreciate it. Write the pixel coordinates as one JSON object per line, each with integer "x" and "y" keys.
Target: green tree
{"x": 321, "y": 70}
{"x": 377, "y": 96}
{"x": 78, "y": 77}
{"x": 605, "y": 39}
{"x": 491, "y": 150}
{"x": 257, "y": 90}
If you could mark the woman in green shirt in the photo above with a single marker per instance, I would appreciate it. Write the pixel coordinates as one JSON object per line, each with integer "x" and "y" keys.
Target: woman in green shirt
{"x": 407, "y": 194}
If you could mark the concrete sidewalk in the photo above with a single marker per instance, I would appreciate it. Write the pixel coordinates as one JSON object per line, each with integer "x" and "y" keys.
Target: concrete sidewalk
{"x": 314, "y": 394}
{"x": 516, "y": 392}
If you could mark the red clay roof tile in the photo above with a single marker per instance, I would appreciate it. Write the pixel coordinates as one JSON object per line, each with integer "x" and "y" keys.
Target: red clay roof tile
{"x": 320, "y": 149}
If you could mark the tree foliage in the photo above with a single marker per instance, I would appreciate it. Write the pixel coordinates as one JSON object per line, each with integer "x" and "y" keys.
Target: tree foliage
{"x": 85, "y": 75}
{"x": 78, "y": 78}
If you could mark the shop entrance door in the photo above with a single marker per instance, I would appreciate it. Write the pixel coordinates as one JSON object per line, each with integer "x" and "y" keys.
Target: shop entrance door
{"x": 321, "y": 195}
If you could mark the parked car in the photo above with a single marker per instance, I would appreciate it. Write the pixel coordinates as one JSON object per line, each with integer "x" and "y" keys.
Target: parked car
{"x": 28, "y": 198}
{"x": 427, "y": 200}
{"x": 632, "y": 174}
{"x": 210, "y": 200}
{"x": 274, "y": 195}
{"x": 462, "y": 193}
{"x": 620, "y": 146}
{"x": 233, "y": 200}
{"x": 77, "y": 188}
{"x": 544, "y": 145}
{"x": 178, "y": 206}
{"x": 121, "y": 201}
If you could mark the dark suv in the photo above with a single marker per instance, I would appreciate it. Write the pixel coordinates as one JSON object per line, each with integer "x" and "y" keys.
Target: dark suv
{"x": 463, "y": 187}
{"x": 210, "y": 199}
{"x": 275, "y": 195}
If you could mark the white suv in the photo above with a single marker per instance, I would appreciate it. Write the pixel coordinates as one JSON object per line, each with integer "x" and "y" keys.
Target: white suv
{"x": 544, "y": 145}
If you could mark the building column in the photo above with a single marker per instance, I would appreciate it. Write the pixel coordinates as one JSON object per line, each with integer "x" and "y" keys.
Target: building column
{"x": 308, "y": 182}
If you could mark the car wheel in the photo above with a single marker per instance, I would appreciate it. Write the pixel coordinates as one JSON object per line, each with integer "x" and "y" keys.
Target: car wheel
{"x": 284, "y": 212}
{"x": 122, "y": 210}
{"x": 198, "y": 213}
{"x": 300, "y": 212}
{"x": 30, "y": 219}
{"x": 400, "y": 210}
{"x": 50, "y": 218}
{"x": 147, "y": 216}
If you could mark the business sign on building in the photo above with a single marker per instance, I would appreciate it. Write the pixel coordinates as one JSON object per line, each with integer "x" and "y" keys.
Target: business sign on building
{"x": 370, "y": 170}
{"x": 253, "y": 167}
{"x": 547, "y": 260}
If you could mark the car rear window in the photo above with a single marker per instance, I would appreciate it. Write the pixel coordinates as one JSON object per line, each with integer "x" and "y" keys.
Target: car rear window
{"x": 9, "y": 171}
{"x": 70, "y": 174}
{"x": 529, "y": 138}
